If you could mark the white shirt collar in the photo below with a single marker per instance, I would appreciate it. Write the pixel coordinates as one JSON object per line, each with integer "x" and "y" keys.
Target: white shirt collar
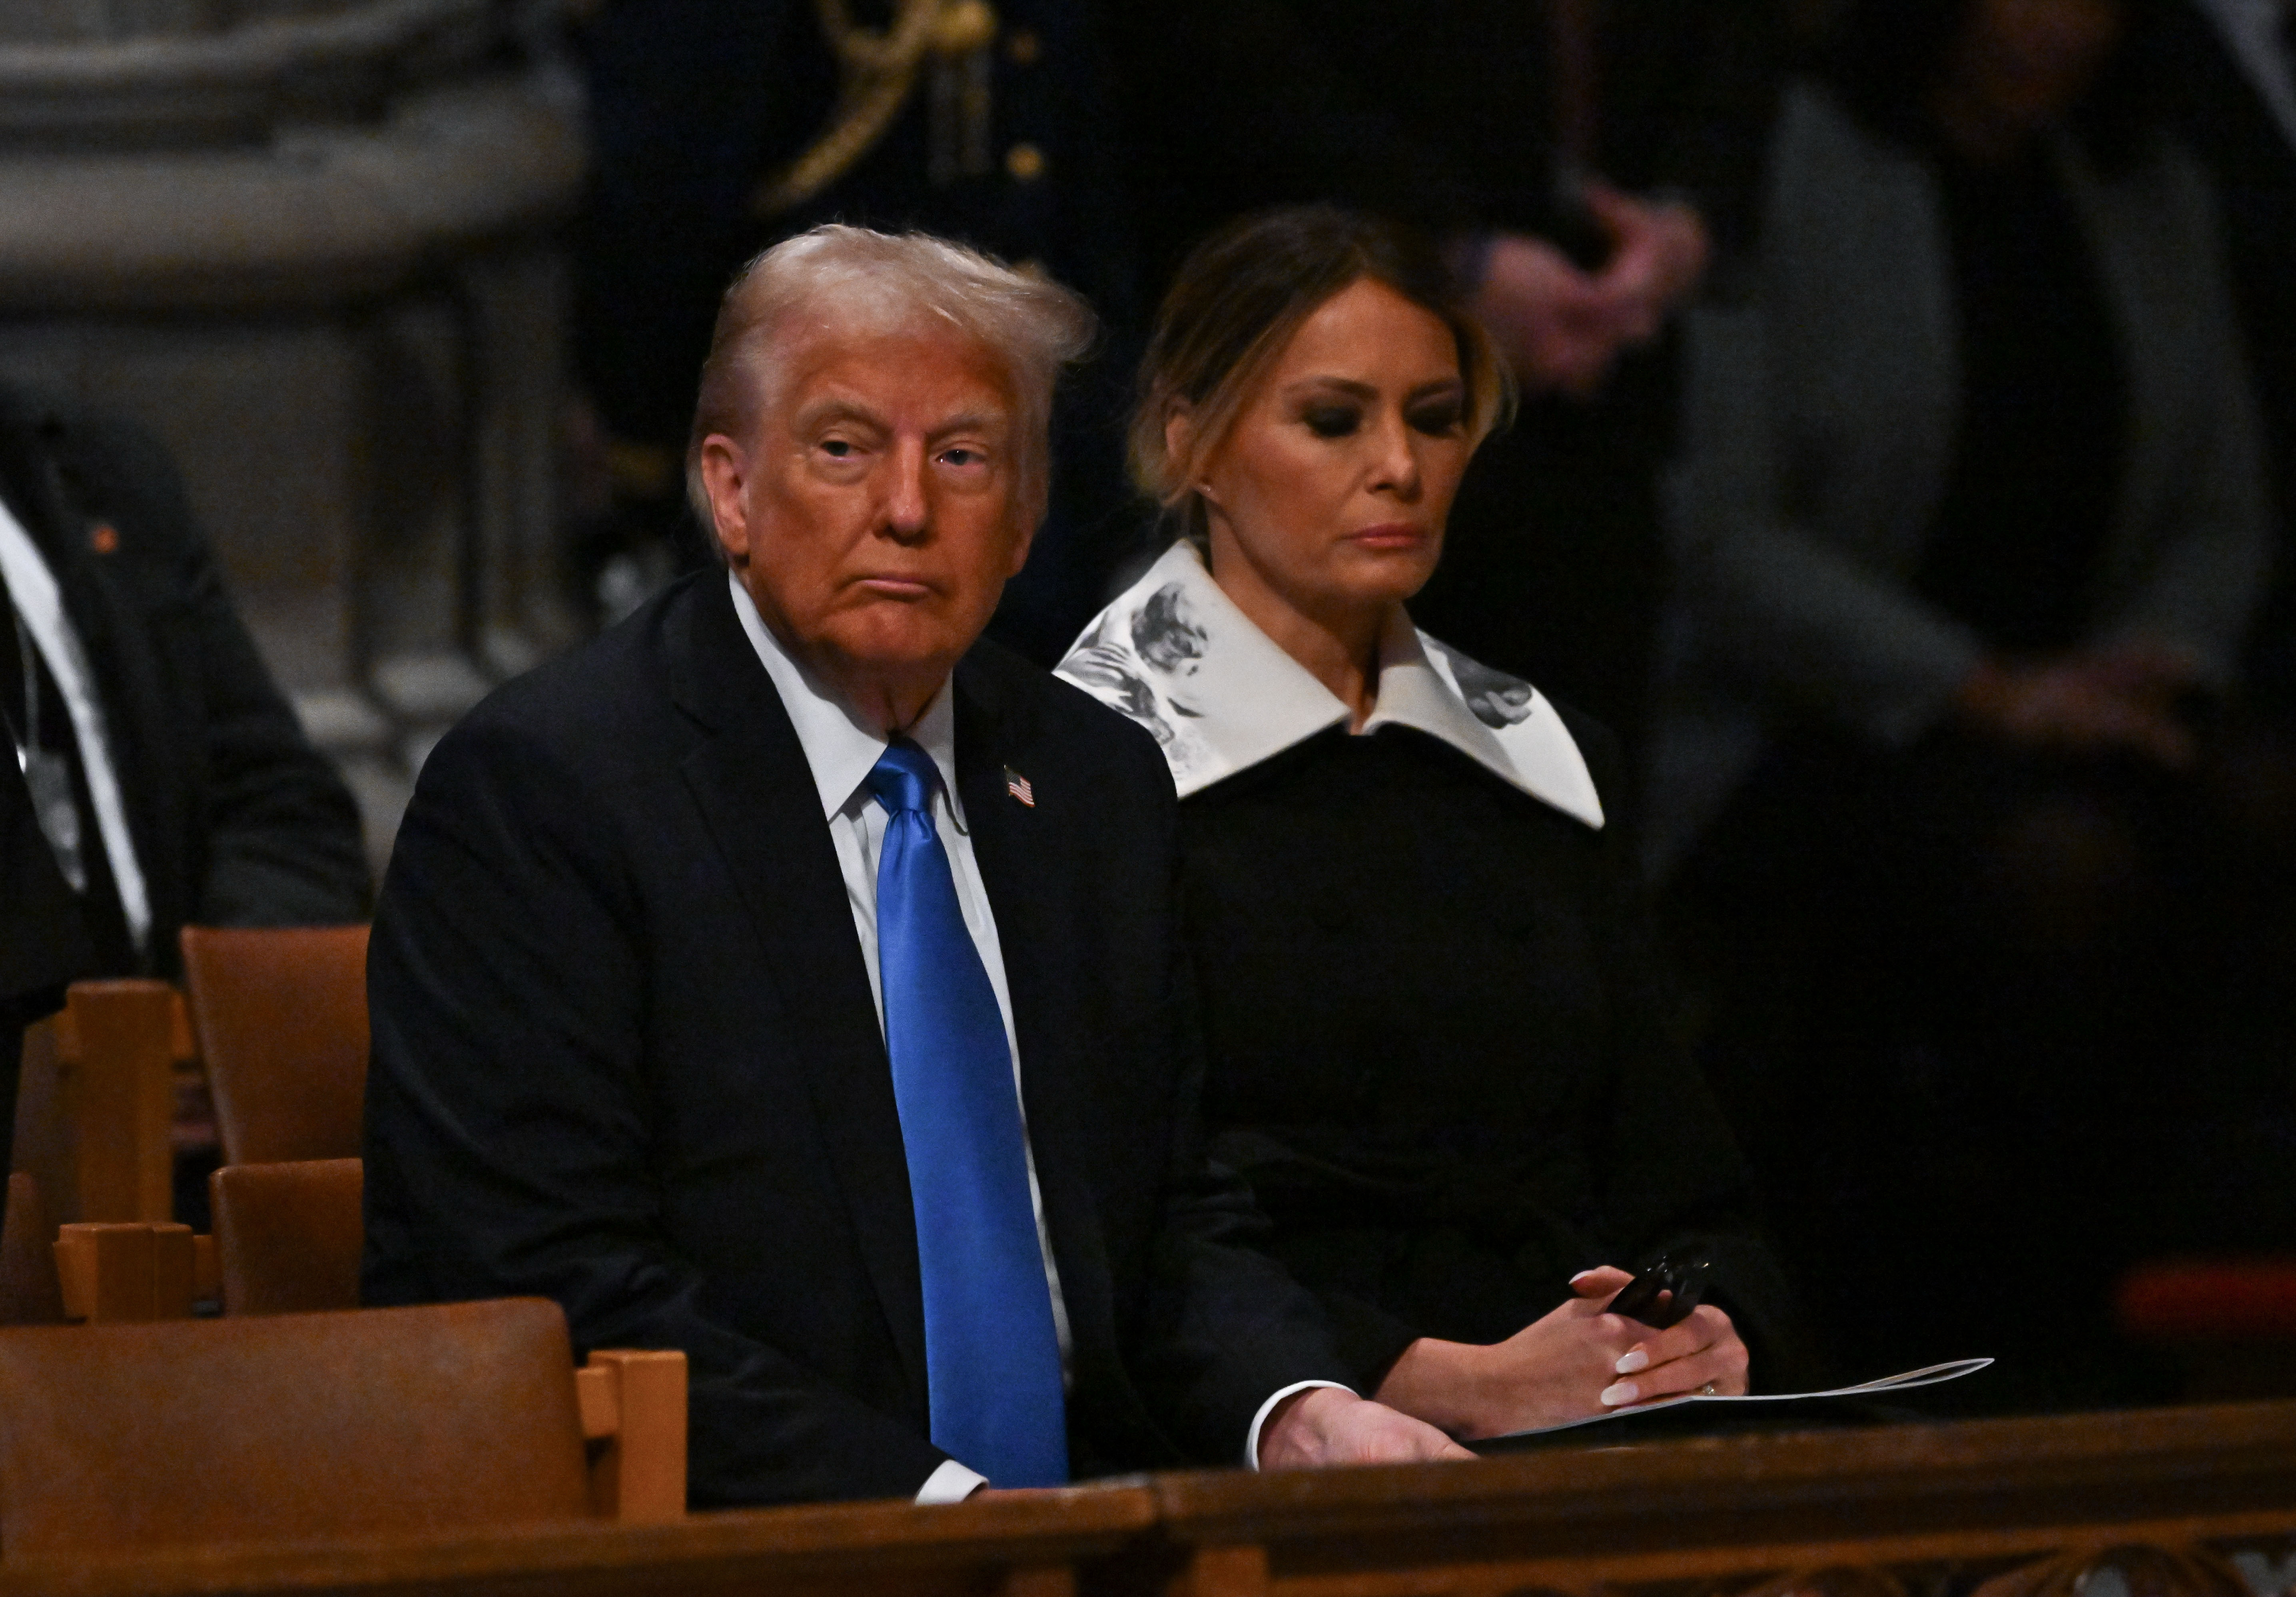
{"x": 1173, "y": 653}
{"x": 839, "y": 747}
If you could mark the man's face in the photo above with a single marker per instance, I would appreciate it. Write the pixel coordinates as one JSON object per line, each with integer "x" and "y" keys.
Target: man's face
{"x": 873, "y": 511}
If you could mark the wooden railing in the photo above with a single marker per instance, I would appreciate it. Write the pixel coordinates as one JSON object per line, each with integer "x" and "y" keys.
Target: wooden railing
{"x": 2015, "y": 1508}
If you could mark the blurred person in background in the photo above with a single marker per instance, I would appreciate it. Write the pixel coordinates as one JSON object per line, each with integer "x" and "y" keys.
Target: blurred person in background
{"x": 155, "y": 761}
{"x": 1971, "y": 526}
{"x": 720, "y": 125}
{"x": 167, "y": 772}
{"x": 1436, "y": 1030}
{"x": 2225, "y": 71}
{"x": 1579, "y": 161}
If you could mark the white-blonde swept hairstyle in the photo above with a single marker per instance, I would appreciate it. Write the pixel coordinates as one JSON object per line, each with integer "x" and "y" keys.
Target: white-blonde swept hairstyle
{"x": 837, "y": 278}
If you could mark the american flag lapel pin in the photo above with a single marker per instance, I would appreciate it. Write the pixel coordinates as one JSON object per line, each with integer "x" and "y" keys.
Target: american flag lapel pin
{"x": 1017, "y": 786}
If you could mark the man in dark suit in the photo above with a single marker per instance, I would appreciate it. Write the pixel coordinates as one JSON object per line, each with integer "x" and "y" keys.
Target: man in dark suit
{"x": 167, "y": 773}
{"x": 711, "y": 956}
{"x": 155, "y": 774}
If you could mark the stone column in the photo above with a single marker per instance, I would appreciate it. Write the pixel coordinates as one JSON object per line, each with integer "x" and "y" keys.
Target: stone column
{"x": 310, "y": 242}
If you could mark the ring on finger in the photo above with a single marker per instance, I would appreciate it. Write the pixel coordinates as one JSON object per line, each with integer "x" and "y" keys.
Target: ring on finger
{"x": 1706, "y": 1391}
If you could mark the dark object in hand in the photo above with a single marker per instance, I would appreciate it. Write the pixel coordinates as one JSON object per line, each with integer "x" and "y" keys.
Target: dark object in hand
{"x": 1665, "y": 1293}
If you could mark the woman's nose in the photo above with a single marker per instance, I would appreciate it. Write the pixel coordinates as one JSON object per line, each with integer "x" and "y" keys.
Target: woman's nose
{"x": 1398, "y": 459}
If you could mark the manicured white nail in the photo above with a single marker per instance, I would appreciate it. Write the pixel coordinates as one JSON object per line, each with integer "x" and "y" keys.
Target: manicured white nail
{"x": 1624, "y": 1392}
{"x": 1634, "y": 1363}
{"x": 1582, "y": 1275}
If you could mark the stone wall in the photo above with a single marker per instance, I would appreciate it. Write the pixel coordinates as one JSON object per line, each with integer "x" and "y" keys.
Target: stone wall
{"x": 311, "y": 242}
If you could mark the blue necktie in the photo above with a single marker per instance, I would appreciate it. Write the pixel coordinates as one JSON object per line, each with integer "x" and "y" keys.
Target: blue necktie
{"x": 992, "y": 1359}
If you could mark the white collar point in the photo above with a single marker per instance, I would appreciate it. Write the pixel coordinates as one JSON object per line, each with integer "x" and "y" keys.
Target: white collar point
{"x": 1176, "y": 655}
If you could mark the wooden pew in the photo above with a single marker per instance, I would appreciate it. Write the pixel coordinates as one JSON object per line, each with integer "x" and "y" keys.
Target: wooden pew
{"x": 1033, "y": 1546}
{"x": 1730, "y": 1515}
{"x": 296, "y": 1427}
{"x": 287, "y": 1240}
{"x": 1993, "y": 1508}
{"x": 97, "y": 1099}
{"x": 280, "y": 1013}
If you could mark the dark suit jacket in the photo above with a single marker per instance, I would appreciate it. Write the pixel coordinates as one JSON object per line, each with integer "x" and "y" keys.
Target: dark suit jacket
{"x": 41, "y": 942}
{"x": 237, "y": 820}
{"x": 626, "y": 1057}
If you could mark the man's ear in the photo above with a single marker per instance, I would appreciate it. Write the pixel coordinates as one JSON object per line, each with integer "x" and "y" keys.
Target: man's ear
{"x": 725, "y": 475}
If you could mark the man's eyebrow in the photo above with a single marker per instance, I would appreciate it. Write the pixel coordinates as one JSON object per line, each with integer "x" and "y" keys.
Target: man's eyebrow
{"x": 973, "y": 421}
{"x": 836, "y": 409}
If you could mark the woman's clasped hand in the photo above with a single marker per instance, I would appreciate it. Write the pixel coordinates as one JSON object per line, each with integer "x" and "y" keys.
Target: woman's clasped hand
{"x": 1575, "y": 1362}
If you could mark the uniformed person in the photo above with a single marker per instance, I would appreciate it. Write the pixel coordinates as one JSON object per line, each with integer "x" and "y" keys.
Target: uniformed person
{"x": 721, "y": 126}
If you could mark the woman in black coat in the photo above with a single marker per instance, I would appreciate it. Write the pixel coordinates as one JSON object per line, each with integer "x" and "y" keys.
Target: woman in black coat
{"x": 1438, "y": 1045}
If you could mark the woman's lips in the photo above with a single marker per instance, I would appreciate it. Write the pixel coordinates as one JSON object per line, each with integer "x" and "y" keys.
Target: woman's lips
{"x": 1390, "y": 534}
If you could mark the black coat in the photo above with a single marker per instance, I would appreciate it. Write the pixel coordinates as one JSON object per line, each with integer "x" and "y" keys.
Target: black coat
{"x": 237, "y": 821}
{"x": 626, "y": 1056}
{"x": 1442, "y": 1051}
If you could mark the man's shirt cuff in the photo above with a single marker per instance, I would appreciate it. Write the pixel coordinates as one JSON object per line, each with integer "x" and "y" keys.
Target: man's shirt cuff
{"x": 954, "y": 1483}
{"x": 1251, "y": 1442}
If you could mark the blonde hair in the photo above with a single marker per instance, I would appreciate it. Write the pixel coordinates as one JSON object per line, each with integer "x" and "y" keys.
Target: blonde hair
{"x": 1240, "y": 296}
{"x": 839, "y": 277}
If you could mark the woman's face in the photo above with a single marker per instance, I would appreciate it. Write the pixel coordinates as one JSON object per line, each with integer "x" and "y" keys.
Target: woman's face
{"x": 2028, "y": 61}
{"x": 1331, "y": 491}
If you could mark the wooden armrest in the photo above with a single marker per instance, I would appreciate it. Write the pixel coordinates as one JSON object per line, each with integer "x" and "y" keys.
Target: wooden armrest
{"x": 632, "y": 1402}
{"x": 110, "y": 1272}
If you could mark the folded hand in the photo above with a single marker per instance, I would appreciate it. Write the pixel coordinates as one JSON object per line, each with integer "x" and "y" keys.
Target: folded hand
{"x": 1572, "y": 1363}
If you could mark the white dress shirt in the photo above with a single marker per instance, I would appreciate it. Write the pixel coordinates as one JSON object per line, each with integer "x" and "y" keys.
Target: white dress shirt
{"x": 38, "y": 600}
{"x": 842, "y": 749}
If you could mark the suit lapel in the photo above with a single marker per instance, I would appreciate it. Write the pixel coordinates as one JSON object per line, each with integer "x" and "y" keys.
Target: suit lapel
{"x": 1018, "y": 848}
{"x": 145, "y": 743}
{"x": 751, "y": 780}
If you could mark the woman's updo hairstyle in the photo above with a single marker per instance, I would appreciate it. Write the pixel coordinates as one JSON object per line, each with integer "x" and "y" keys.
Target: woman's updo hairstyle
{"x": 1239, "y": 297}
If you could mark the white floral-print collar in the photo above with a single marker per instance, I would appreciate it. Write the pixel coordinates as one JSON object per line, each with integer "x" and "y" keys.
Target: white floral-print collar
{"x": 1173, "y": 653}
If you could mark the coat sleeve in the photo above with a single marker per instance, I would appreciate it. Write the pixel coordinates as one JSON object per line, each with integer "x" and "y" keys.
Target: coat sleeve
{"x": 509, "y": 1144}
{"x": 1226, "y": 1326}
{"x": 1773, "y": 606}
{"x": 2213, "y": 539}
{"x": 277, "y": 835}
{"x": 1671, "y": 1173}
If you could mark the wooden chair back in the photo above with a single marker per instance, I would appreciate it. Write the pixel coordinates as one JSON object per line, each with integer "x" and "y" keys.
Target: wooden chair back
{"x": 280, "y": 1018}
{"x": 303, "y": 1428}
{"x": 96, "y": 1098}
{"x": 288, "y": 1236}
